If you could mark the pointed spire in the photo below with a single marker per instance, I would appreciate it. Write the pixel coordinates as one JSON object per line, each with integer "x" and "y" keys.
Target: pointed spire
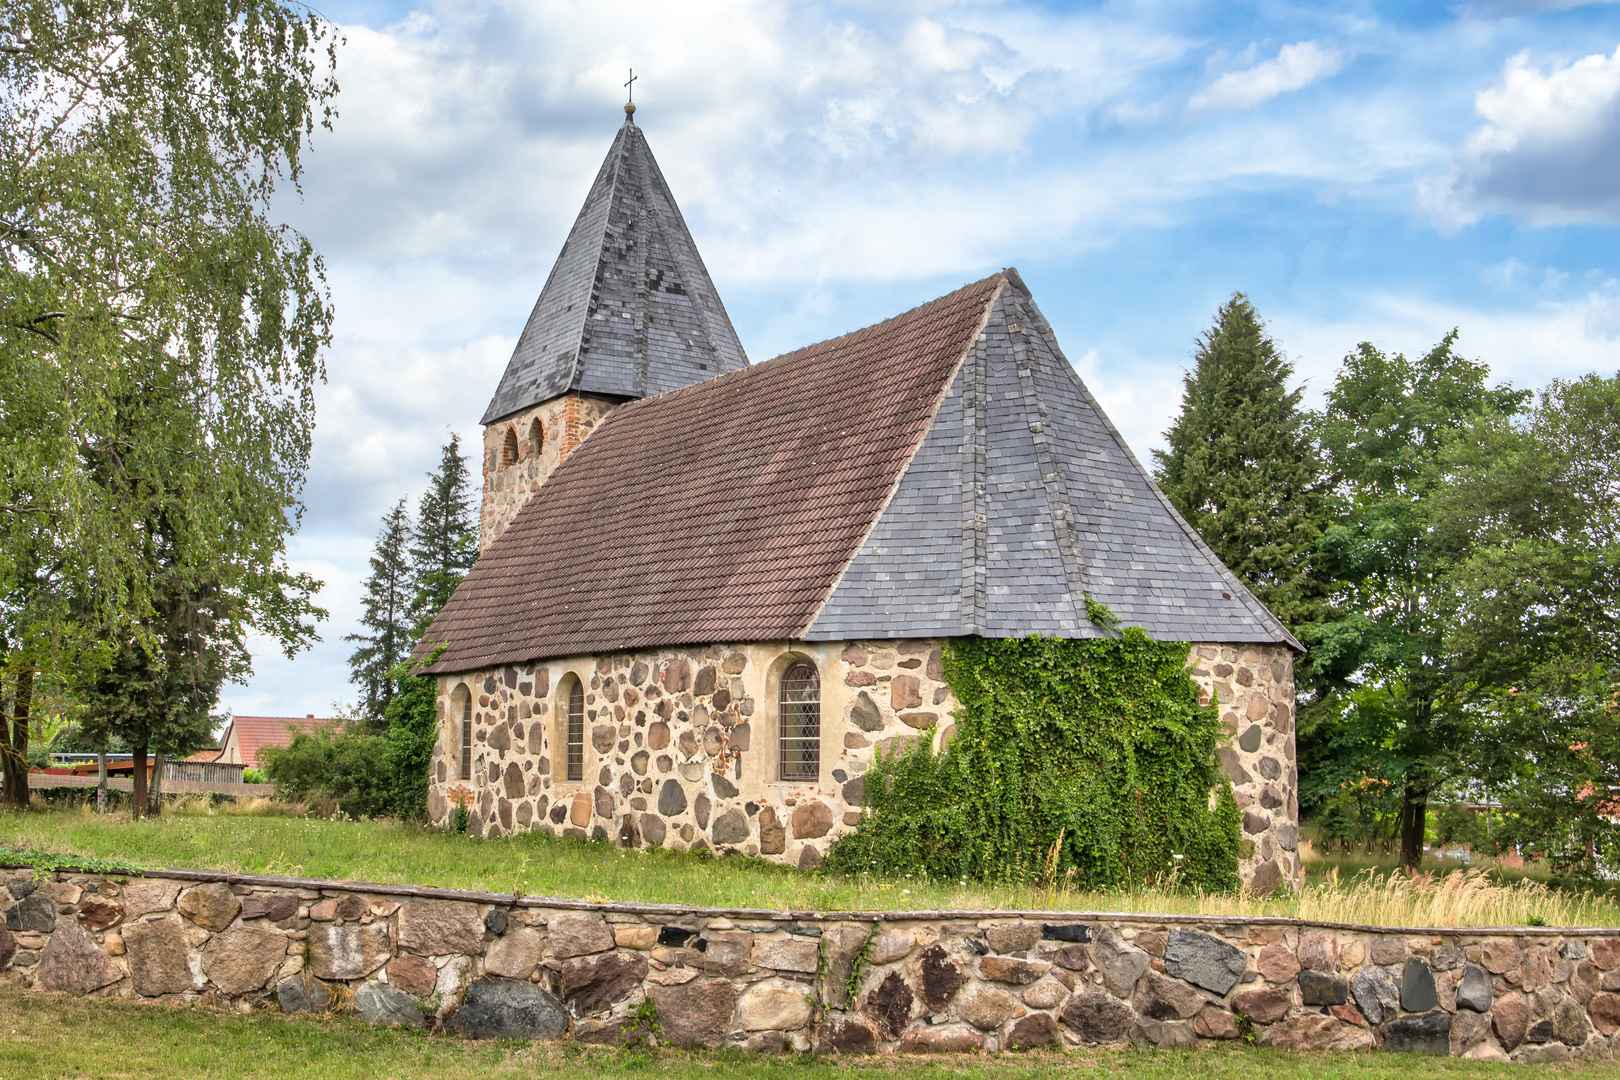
{"x": 629, "y": 310}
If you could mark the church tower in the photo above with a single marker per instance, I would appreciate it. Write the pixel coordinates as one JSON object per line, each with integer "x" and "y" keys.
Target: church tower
{"x": 628, "y": 312}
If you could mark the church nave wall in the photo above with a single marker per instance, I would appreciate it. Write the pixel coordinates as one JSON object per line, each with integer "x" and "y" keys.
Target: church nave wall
{"x": 1254, "y": 687}
{"x": 680, "y": 747}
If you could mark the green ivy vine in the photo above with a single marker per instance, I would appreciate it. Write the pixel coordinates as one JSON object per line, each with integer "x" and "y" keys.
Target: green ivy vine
{"x": 1088, "y": 762}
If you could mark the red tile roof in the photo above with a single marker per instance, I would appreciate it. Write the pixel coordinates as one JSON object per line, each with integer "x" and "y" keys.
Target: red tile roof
{"x": 724, "y": 511}
{"x": 253, "y": 733}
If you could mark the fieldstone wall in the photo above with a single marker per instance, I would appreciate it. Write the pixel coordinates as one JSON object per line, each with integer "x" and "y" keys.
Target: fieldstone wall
{"x": 681, "y": 746}
{"x": 488, "y": 965}
{"x": 1254, "y": 688}
{"x": 563, "y": 423}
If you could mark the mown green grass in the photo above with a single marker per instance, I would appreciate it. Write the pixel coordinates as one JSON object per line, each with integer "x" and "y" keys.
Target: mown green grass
{"x": 196, "y": 835}
{"x": 48, "y": 1036}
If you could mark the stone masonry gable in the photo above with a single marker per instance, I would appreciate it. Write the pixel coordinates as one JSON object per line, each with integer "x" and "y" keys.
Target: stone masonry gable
{"x": 723, "y": 511}
{"x": 629, "y": 310}
{"x": 1021, "y": 501}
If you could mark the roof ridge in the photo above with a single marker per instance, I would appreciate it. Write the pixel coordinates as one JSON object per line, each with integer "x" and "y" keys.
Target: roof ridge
{"x": 892, "y": 318}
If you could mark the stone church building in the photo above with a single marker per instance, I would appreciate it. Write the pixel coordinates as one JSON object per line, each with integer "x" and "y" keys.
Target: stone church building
{"x": 708, "y": 590}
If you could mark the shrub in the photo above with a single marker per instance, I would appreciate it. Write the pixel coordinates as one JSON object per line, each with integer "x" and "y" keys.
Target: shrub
{"x": 1091, "y": 760}
{"x": 412, "y": 728}
{"x": 331, "y": 763}
{"x": 254, "y": 776}
{"x": 366, "y": 774}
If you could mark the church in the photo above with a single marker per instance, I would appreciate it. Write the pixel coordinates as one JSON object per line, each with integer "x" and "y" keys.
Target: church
{"x": 709, "y": 590}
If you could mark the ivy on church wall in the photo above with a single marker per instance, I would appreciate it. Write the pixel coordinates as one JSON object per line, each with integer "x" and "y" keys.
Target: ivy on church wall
{"x": 1091, "y": 762}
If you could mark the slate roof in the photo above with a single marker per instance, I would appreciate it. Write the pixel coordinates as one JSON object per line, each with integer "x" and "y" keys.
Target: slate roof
{"x": 721, "y": 512}
{"x": 1022, "y": 501}
{"x": 629, "y": 310}
{"x": 942, "y": 473}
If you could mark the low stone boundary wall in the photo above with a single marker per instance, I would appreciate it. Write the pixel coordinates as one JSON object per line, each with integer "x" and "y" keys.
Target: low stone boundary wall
{"x": 501, "y": 965}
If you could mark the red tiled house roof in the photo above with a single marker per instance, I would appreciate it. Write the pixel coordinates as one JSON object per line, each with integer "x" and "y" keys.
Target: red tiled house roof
{"x": 247, "y": 735}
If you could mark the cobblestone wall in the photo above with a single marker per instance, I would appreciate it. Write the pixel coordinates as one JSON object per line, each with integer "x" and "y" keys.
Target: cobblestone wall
{"x": 1254, "y": 688}
{"x": 501, "y": 966}
{"x": 681, "y": 751}
{"x": 680, "y": 746}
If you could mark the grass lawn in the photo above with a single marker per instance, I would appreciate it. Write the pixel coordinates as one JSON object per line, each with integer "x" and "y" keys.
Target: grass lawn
{"x": 194, "y": 834}
{"x": 48, "y": 1036}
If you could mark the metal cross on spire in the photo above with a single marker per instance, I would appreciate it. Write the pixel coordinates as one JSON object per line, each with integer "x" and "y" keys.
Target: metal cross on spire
{"x": 628, "y": 84}
{"x": 630, "y": 106}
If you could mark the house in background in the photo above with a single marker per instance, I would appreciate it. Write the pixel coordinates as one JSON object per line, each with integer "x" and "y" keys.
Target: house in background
{"x": 247, "y": 735}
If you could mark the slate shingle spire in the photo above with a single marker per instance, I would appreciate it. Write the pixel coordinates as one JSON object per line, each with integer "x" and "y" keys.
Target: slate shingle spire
{"x": 629, "y": 310}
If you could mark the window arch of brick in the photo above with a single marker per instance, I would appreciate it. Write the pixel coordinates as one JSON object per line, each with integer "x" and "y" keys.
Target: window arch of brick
{"x": 509, "y": 447}
{"x": 798, "y": 719}
{"x": 568, "y": 762}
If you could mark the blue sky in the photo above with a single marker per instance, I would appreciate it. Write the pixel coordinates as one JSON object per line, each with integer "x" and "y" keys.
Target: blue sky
{"x": 1379, "y": 172}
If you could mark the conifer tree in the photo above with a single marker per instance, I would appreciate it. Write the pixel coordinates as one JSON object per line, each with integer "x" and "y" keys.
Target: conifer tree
{"x": 1242, "y": 469}
{"x": 445, "y": 540}
{"x": 389, "y": 591}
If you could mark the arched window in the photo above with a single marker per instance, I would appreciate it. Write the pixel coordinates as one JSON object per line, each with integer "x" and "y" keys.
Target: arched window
{"x": 537, "y": 438}
{"x": 509, "y": 448}
{"x": 466, "y": 734}
{"x": 798, "y": 754}
{"x": 575, "y": 734}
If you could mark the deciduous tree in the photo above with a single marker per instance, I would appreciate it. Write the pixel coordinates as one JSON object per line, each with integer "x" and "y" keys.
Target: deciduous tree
{"x": 160, "y": 335}
{"x": 1386, "y": 425}
{"x": 1530, "y": 505}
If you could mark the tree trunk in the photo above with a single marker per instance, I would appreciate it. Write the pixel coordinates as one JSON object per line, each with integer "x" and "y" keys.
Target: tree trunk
{"x": 14, "y": 767}
{"x": 154, "y": 792}
{"x": 1414, "y": 817}
{"x": 137, "y": 802}
{"x": 101, "y": 780}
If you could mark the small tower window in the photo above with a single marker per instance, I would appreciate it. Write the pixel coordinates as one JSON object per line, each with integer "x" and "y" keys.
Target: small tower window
{"x": 509, "y": 448}
{"x": 799, "y": 742}
{"x": 466, "y": 736}
{"x": 576, "y": 731}
{"x": 537, "y": 438}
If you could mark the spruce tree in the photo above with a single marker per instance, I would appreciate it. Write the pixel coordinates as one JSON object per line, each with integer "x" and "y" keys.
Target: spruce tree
{"x": 445, "y": 540}
{"x": 1242, "y": 468}
{"x": 389, "y": 591}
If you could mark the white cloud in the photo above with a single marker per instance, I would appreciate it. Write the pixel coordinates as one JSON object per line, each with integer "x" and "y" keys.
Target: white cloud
{"x": 1525, "y": 345}
{"x": 1295, "y": 67}
{"x": 1550, "y": 147}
